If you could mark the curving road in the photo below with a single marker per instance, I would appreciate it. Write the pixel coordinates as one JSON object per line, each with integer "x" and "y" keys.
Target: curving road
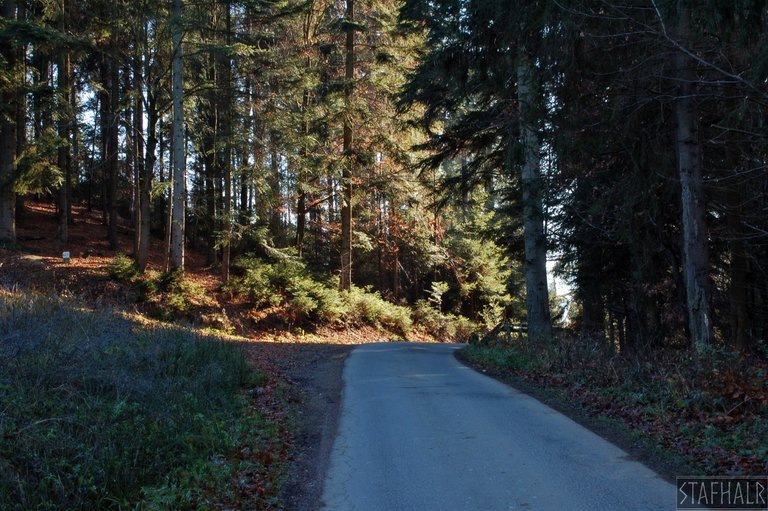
{"x": 419, "y": 431}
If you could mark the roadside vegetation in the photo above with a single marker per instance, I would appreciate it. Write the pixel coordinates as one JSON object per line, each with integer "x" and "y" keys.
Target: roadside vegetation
{"x": 404, "y": 167}
{"x": 99, "y": 412}
{"x": 284, "y": 292}
{"x": 711, "y": 408}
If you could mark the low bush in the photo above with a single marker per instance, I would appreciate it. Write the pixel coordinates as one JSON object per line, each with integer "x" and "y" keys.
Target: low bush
{"x": 99, "y": 413}
{"x": 369, "y": 307}
{"x": 122, "y": 268}
{"x": 446, "y": 327}
{"x": 287, "y": 284}
{"x": 171, "y": 294}
{"x": 304, "y": 298}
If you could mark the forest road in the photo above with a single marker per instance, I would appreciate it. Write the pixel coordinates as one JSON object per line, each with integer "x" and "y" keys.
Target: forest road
{"x": 420, "y": 431}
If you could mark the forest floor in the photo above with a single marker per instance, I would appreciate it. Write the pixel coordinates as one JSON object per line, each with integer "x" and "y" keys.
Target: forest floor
{"x": 304, "y": 368}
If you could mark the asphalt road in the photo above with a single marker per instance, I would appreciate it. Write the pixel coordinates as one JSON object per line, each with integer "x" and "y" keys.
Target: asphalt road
{"x": 419, "y": 431}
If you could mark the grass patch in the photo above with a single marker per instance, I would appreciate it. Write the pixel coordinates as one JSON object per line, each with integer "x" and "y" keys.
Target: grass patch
{"x": 97, "y": 412}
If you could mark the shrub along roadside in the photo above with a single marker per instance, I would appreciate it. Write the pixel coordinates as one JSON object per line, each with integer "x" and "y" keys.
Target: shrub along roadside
{"x": 290, "y": 295}
{"x": 170, "y": 295}
{"x": 97, "y": 412}
{"x": 305, "y": 299}
{"x": 712, "y": 408}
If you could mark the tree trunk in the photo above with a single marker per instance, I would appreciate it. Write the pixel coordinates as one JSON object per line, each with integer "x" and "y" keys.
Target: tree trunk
{"x": 62, "y": 95}
{"x": 345, "y": 282}
{"x": 21, "y": 105}
{"x": 244, "y": 148}
{"x": 138, "y": 128}
{"x": 8, "y": 143}
{"x": 209, "y": 140}
{"x": 74, "y": 136}
{"x": 142, "y": 256}
{"x": 537, "y": 293}
{"x": 148, "y": 168}
{"x": 274, "y": 185}
{"x": 228, "y": 110}
{"x": 695, "y": 248}
{"x": 176, "y": 248}
{"x": 740, "y": 338}
{"x": 112, "y": 141}
{"x": 301, "y": 185}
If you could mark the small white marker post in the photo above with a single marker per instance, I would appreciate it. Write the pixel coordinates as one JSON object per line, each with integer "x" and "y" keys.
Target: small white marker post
{"x": 65, "y": 256}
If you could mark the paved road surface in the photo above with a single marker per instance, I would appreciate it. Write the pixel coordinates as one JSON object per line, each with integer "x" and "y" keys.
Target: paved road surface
{"x": 419, "y": 431}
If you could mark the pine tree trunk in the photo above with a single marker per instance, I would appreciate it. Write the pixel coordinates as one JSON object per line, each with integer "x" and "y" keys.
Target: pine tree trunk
{"x": 113, "y": 119}
{"x": 345, "y": 282}
{"x": 208, "y": 141}
{"x": 148, "y": 169}
{"x": 21, "y": 105}
{"x": 176, "y": 244}
{"x": 104, "y": 121}
{"x": 537, "y": 293}
{"x": 228, "y": 110}
{"x": 74, "y": 136}
{"x": 695, "y": 248}
{"x": 301, "y": 185}
{"x": 140, "y": 162}
{"x": 8, "y": 144}
{"x": 142, "y": 257}
{"x": 137, "y": 129}
{"x": 244, "y": 149}
{"x": 63, "y": 73}
{"x": 63, "y": 93}
{"x": 274, "y": 185}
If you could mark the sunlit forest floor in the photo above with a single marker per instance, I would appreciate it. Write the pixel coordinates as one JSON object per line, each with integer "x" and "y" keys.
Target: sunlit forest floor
{"x": 36, "y": 263}
{"x": 107, "y": 396}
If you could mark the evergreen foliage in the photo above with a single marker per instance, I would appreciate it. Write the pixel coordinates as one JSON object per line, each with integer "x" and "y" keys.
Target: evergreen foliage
{"x": 485, "y": 135}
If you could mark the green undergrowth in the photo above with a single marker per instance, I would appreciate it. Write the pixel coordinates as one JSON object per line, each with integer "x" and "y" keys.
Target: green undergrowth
{"x": 98, "y": 412}
{"x": 304, "y": 298}
{"x": 168, "y": 295}
{"x": 710, "y": 407}
{"x": 291, "y": 295}
{"x": 442, "y": 325}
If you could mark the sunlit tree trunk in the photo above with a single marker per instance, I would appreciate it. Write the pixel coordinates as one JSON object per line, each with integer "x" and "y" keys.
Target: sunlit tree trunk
{"x": 301, "y": 202}
{"x": 275, "y": 227}
{"x": 21, "y": 103}
{"x": 138, "y": 140}
{"x": 537, "y": 293}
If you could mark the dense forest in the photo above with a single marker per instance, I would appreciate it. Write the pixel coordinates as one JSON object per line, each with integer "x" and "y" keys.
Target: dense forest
{"x": 577, "y": 188}
{"x": 426, "y": 150}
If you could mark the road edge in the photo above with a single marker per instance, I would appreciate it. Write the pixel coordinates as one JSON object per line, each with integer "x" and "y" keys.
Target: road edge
{"x": 316, "y": 415}
{"x": 666, "y": 464}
